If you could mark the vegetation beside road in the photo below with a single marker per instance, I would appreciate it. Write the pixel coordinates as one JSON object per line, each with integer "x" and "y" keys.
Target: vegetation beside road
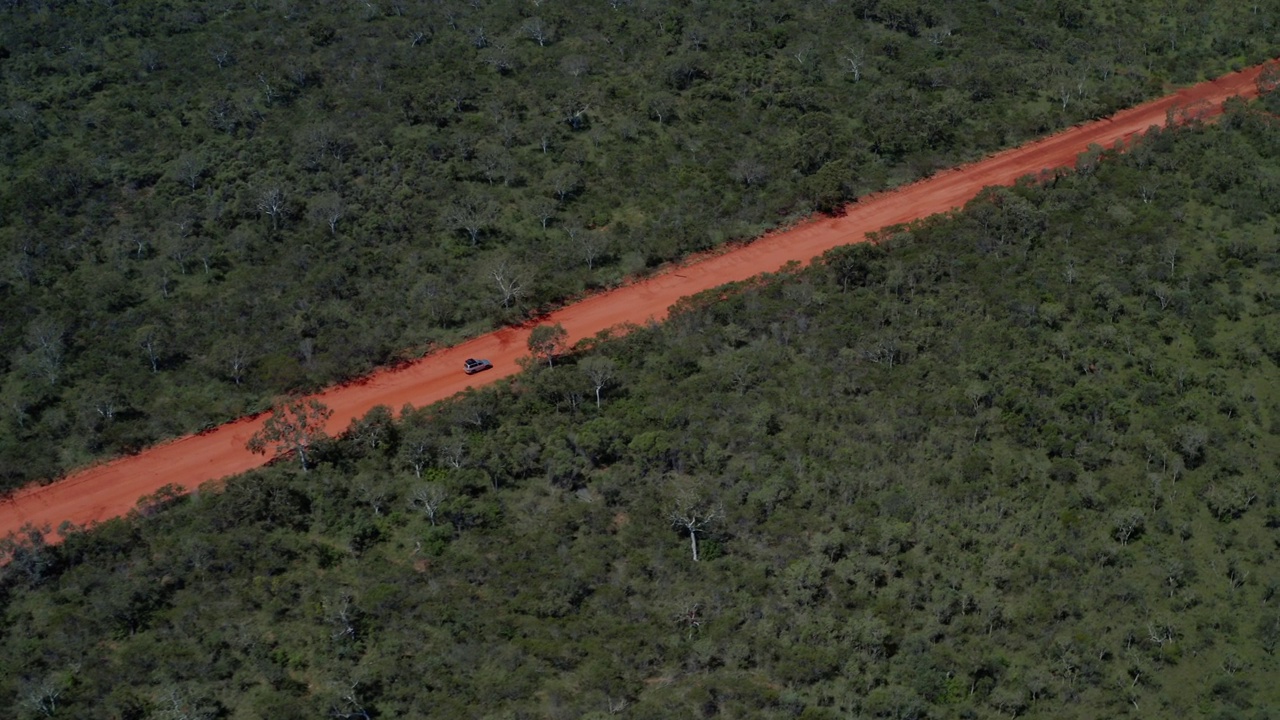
{"x": 204, "y": 205}
{"x": 1017, "y": 461}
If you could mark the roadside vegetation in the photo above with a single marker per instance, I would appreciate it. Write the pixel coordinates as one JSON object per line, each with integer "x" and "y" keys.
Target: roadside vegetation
{"x": 204, "y": 205}
{"x": 1018, "y": 461}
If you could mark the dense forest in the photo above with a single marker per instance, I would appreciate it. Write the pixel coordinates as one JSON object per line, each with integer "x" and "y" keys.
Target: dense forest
{"x": 206, "y": 204}
{"x": 1016, "y": 461}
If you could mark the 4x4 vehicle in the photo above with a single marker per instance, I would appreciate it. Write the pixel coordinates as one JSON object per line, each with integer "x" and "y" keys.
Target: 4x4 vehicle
{"x": 473, "y": 366}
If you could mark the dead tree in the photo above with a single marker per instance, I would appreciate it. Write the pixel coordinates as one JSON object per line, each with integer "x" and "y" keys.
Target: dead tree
{"x": 428, "y": 499}
{"x": 600, "y": 371}
{"x": 693, "y": 516}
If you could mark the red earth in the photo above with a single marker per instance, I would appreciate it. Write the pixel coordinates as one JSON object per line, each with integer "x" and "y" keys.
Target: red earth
{"x": 113, "y": 488}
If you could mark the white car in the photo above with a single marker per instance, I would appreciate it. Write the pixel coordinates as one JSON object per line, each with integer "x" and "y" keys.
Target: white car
{"x": 473, "y": 366}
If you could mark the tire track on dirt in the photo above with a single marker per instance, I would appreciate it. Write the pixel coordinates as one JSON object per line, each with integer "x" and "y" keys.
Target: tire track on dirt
{"x": 113, "y": 488}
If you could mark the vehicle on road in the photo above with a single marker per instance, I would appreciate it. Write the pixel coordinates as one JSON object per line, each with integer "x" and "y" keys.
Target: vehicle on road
{"x": 473, "y": 366}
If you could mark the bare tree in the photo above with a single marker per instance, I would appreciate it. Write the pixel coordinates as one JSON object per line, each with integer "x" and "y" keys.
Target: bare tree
{"x": 149, "y": 59}
{"x": 1127, "y": 524}
{"x": 207, "y": 253}
{"x": 565, "y": 183}
{"x": 43, "y": 697}
{"x": 884, "y": 351}
{"x": 938, "y": 35}
{"x": 576, "y": 66}
{"x": 538, "y": 31}
{"x": 1169, "y": 256}
{"x": 693, "y": 515}
{"x": 141, "y": 248}
{"x": 375, "y": 493}
{"x": 165, "y": 283}
{"x": 1147, "y": 192}
{"x": 179, "y": 704}
{"x": 499, "y": 56}
{"x": 801, "y": 51}
{"x": 375, "y": 430}
{"x": 509, "y": 129}
{"x": 428, "y": 499}
{"x": 327, "y": 210}
{"x": 180, "y": 244}
{"x": 1163, "y": 293}
{"x": 223, "y": 115}
{"x": 307, "y": 350}
{"x": 574, "y": 113}
{"x": 472, "y": 213}
{"x": 749, "y": 171}
{"x": 221, "y": 54}
{"x": 272, "y": 204}
{"x": 662, "y": 107}
{"x": 545, "y": 209}
{"x": 510, "y": 279}
{"x": 299, "y": 74}
{"x": 690, "y": 618}
{"x": 189, "y": 170}
{"x": 238, "y": 363}
{"x": 318, "y": 143}
{"x": 14, "y": 400}
{"x": 295, "y": 426}
{"x": 1161, "y": 633}
{"x": 348, "y": 705}
{"x": 415, "y": 452}
{"x": 1192, "y": 439}
{"x": 269, "y": 92}
{"x": 453, "y": 455}
{"x": 1064, "y": 94}
{"x": 342, "y": 614}
{"x": 600, "y": 370}
{"x": 592, "y": 245}
{"x": 106, "y": 401}
{"x": 494, "y": 161}
{"x": 1069, "y": 272}
{"x": 854, "y": 59}
{"x": 151, "y": 338}
{"x": 45, "y": 337}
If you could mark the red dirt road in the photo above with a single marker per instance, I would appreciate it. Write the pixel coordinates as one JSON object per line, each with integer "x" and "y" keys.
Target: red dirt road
{"x": 112, "y": 489}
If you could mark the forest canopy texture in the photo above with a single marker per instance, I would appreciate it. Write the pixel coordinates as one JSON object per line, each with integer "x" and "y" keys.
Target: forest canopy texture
{"x": 206, "y": 204}
{"x": 1018, "y": 461}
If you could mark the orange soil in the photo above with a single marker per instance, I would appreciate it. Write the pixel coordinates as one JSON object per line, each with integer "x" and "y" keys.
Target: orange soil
{"x": 112, "y": 489}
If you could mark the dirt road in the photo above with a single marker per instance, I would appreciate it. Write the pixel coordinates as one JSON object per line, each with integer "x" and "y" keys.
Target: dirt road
{"x": 112, "y": 489}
